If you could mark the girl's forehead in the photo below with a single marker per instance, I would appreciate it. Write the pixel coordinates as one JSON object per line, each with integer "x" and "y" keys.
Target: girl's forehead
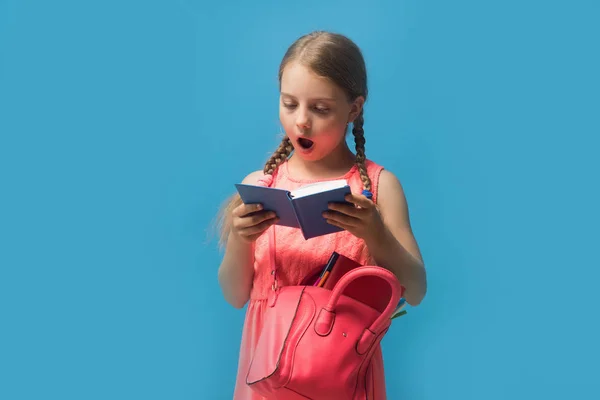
{"x": 299, "y": 81}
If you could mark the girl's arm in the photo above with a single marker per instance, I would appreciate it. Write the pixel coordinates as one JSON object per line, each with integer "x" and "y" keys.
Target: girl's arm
{"x": 236, "y": 272}
{"x": 385, "y": 228}
{"x": 395, "y": 246}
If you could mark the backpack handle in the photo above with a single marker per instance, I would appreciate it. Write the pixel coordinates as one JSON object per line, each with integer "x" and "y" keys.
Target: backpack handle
{"x": 325, "y": 320}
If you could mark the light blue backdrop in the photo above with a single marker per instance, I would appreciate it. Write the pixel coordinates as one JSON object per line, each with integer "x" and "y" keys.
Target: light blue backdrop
{"x": 123, "y": 125}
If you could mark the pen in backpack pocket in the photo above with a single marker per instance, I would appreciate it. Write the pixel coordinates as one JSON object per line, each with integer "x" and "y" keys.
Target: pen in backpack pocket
{"x": 327, "y": 269}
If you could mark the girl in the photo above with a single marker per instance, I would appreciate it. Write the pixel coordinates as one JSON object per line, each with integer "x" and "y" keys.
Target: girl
{"x": 323, "y": 87}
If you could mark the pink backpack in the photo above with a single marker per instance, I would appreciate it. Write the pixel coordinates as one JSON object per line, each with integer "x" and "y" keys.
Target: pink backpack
{"x": 318, "y": 343}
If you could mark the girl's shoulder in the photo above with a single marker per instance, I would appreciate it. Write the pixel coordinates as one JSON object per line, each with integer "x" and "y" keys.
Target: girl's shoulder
{"x": 387, "y": 184}
{"x": 387, "y": 181}
{"x": 253, "y": 177}
{"x": 259, "y": 178}
{"x": 373, "y": 168}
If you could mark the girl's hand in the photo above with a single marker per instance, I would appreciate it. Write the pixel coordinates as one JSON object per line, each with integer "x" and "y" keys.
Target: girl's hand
{"x": 361, "y": 218}
{"x": 249, "y": 221}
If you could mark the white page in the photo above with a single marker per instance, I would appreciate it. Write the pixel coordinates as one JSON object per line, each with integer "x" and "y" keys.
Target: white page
{"x": 318, "y": 188}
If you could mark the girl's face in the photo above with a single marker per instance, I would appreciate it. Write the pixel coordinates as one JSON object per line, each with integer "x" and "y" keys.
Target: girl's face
{"x": 314, "y": 112}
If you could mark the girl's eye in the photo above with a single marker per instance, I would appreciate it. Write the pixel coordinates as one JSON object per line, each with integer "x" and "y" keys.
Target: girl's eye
{"x": 320, "y": 110}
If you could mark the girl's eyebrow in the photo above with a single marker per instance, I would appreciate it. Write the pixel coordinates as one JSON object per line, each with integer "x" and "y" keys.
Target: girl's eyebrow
{"x": 318, "y": 98}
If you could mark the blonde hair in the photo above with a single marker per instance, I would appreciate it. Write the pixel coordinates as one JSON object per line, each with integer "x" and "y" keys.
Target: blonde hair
{"x": 333, "y": 56}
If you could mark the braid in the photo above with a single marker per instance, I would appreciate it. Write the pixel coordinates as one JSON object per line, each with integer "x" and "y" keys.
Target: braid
{"x": 359, "y": 140}
{"x": 279, "y": 156}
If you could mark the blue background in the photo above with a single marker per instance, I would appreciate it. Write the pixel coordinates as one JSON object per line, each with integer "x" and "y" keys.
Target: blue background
{"x": 123, "y": 125}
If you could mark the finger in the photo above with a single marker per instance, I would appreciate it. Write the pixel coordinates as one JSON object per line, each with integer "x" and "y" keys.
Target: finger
{"x": 245, "y": 209}
{"x": 348, "y": 209}
{"x": 259, "y": 228}
{"x": 335, "y": 223}
{"x": 361, "y": 201}
{"x": 341, "y": 218}
{"x": 255, "y": 219}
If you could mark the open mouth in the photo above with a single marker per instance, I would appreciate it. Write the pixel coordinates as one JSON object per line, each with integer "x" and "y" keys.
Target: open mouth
{"x": 305, "y": 143}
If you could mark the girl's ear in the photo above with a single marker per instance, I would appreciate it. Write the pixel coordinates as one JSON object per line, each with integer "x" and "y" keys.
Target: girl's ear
{"x": 356, "y": 108}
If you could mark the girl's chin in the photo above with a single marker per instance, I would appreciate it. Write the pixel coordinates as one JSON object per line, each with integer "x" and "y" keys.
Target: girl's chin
{"x": 303, "y": 151}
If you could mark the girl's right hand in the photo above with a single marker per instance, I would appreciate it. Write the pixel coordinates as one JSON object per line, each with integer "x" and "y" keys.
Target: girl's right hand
{"x": 249, "y": 221}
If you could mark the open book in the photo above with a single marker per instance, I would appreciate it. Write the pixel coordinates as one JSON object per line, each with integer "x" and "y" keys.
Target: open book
{"x": 301, "y": 208}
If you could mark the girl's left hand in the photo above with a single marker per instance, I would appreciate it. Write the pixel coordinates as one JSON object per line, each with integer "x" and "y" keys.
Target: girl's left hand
{"x": 361, "y": 217}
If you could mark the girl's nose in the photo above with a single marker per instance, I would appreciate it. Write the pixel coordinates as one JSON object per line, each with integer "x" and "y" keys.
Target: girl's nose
{"x": 302, "y": 121}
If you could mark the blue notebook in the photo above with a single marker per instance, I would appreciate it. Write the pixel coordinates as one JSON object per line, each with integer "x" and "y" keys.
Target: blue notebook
{"x": 301, "y": 208}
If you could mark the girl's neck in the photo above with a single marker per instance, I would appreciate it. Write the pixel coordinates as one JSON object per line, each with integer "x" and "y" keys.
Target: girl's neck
{"x": 334, "y": 165}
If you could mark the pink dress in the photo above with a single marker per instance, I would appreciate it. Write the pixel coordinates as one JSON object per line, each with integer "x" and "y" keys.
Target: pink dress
{"x": 296, "y": 258}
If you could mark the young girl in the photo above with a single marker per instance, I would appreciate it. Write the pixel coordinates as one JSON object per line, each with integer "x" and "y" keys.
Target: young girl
{"x": 323, "y": 87}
